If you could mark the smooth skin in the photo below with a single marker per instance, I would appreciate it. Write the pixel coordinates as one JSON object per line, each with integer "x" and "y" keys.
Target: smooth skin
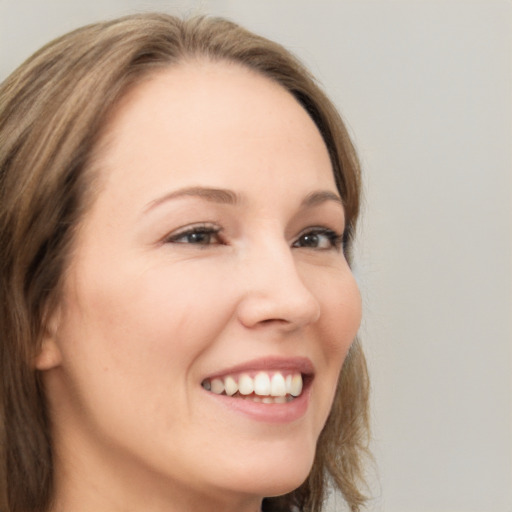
{"x": 200, "y": 252}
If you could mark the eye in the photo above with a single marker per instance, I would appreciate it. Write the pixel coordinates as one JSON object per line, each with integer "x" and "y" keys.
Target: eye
{"x": 202, "y": 235}
{"x": 319, "y": 238}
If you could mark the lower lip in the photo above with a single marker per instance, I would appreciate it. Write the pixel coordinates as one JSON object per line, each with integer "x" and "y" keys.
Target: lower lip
{"x": 267, "y": 413}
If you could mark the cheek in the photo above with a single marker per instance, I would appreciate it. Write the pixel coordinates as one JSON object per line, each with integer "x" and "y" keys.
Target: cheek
{"x": 341, "y": 317}
{"x": 181, "y": 307}
{"x": 341, "y": 312}
{"x": 164, "y": 316}
{"x": 121, "y": 337}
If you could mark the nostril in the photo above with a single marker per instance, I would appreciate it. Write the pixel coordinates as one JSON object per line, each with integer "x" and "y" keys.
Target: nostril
{"x": 272, "y": 320}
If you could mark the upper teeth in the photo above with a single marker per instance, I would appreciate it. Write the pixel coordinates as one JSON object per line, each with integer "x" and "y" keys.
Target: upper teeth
{"x": 262, "y": 384}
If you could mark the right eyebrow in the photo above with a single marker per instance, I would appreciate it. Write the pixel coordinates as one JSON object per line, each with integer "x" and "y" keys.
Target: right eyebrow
{"x": 215, "y": 195}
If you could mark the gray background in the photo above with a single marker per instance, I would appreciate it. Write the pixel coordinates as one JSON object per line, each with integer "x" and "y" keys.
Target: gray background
{"x": 425, "y": 87}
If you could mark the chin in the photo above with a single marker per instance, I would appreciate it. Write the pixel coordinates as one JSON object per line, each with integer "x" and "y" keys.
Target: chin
{"x": 284, "y": 486}
{"x": 276, "y": 474}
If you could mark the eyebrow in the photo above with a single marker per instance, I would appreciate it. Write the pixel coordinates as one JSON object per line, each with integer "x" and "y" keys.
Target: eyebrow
{"x": 225, "y": 196}
{"x": 215, "y": 195}
{"x": 321, "y": 196}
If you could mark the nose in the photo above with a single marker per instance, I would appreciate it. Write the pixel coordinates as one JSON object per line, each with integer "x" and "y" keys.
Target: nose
{"x": 274, "y": 291}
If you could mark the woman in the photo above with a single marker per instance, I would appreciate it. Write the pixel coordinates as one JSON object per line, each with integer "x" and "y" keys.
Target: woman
{"x": 178, "y": 202}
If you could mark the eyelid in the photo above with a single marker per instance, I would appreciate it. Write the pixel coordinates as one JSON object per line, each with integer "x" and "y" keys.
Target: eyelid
{"x": 204, "y": 227}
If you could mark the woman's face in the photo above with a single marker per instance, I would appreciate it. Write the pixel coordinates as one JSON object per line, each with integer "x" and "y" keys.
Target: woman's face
{"x": 210, "y": 262}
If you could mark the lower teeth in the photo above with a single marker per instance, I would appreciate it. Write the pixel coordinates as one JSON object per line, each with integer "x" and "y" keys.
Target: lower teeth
{"x": 260, "y": 399}
{"x": 269, "y": 399}
{"x": 264, "y": 399}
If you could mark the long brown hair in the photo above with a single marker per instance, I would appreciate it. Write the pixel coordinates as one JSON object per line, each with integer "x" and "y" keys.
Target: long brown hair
{"x": 52, "y": 110}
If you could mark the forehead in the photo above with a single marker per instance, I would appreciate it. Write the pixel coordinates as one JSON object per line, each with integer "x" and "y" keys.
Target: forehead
{"x": 208, "y": 119}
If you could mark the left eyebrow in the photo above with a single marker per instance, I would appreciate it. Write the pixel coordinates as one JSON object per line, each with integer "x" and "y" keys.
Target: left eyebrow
{"x": 321, "y": 196}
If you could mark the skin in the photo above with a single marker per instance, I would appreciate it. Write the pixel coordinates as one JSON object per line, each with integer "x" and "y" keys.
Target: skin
{"x": 149, "y": 312}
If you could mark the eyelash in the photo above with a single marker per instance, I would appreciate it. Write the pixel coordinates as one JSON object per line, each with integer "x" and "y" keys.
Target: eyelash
{"x": 205, "y": 232}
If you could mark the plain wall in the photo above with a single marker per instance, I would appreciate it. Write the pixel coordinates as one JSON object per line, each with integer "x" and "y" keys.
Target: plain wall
{"x": 425, "y": 87}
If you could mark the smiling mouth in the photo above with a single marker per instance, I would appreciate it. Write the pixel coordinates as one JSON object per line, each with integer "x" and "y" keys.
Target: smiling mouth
{"x": 263, "y": 387}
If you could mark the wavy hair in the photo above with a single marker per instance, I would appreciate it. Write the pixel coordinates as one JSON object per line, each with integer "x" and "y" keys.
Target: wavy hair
{"x": 52, "y": 111}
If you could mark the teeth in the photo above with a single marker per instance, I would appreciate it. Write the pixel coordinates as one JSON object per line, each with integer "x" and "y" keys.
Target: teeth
{"x": 278, "y": 385}
{"x": 245, "y": 384}
{"x": 217, "y": 386}
{"x": 262, "y": 388}
{"x": 262, "y": 384}
{"x": 268, "y": 399}
{"x": 230, "y": 386}
{"x": 296, "y": 386}
{"x": 288, "y": 383}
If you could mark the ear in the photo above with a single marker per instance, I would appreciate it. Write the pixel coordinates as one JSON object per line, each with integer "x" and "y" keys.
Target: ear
{"x": 49, "y": 355}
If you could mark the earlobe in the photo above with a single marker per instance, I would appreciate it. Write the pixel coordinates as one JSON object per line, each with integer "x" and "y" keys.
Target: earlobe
{"x": 49, "y": 355}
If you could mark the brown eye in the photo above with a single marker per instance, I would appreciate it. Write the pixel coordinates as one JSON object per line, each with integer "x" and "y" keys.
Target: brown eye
{"x": 318, "y": 238}
{"x": 310, "y": 240}
{"x": 199, "y": 235}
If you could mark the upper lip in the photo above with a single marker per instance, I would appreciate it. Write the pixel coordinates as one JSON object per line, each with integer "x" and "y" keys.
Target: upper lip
{"x": 270, "y": 363}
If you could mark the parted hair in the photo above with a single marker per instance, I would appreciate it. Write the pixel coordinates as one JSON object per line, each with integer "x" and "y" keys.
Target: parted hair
{"x": 52, "y": 112}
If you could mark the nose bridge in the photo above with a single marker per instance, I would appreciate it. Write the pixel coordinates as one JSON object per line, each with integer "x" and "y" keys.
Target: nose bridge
{"x": 275, "y": 289}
